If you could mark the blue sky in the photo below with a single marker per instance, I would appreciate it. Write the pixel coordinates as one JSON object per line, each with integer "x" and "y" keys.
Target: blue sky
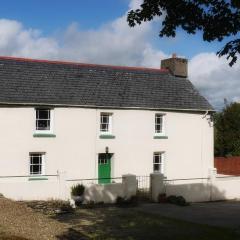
{"x": 96, "y": 31}
{"x": 52, "y": 16}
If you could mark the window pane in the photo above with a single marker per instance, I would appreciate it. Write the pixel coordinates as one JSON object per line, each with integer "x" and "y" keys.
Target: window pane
{"x": 158, "y": 128}
{"x": 158, "y": 123}
{"x": 43, "y": 119}
{"x": 104, "y": 127}
{"x": 158, "y": 161}
{"x": 156, "y": 158}
{"x": 156, "y": 167}
{"x": 35, "y": 163}
{"x": 105, "y": 119}
{"x": 43, "y": 114}
{"x": 36, "y": 169}
{"x": 159, "y": 119}
{"x": 43, "y": 124}
{"x": 102, "y": 159}
{"x": 36, "y": 159}
{"x": 105, "y": 122}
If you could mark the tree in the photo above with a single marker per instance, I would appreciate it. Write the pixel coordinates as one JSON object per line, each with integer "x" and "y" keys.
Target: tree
{"x": 227, "y": 131}
{"x": 217, "y": 19}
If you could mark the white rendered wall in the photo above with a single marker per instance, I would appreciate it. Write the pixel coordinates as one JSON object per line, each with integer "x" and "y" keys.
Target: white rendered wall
{"x": 74, "y": 150}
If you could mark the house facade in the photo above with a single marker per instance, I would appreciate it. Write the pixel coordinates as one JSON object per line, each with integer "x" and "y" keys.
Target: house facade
{"x": 93, "y": 121}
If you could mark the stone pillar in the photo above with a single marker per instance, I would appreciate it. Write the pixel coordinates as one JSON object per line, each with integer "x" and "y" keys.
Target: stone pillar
{"x": 156, "y": 185}
{"x": 129, "y": 182}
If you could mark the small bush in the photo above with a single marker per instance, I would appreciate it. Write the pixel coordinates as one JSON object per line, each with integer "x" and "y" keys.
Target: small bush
{"x": 77, "y": 190}
{"x": 90, "y": 204}
{"x": 65, "y": 207}
{"x": 177, "y": 200}
{"x": 123, "y": 202}
{"x": 162, "y": 198}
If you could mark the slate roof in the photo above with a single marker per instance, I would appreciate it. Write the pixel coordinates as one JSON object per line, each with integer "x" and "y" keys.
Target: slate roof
{"x": 26, "y": 81}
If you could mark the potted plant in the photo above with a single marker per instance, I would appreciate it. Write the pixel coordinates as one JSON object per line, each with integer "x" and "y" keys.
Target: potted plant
{"x": 77, "y": 192}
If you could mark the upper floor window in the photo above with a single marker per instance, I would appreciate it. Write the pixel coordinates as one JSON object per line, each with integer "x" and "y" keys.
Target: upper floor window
{"x": 158, "y": 161}
{"x": 37, "y": 163}
{"x": 106, "y": 123}
{"x": 159, "y": 123}
{"x": 44, "y": 118}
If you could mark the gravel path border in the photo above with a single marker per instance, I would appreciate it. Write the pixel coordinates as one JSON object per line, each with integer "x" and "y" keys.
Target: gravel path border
{"x": 16, "y": 219}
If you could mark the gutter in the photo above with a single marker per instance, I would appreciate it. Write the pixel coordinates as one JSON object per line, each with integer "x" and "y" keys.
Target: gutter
{"x": 206, "y": 113}
{"x": 107, "y": 107}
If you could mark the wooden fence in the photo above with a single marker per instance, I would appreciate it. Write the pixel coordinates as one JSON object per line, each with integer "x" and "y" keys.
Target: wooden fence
{"x": 227, "y": 165}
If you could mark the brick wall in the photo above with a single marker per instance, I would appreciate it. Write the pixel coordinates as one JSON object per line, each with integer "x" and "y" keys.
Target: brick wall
{"x": 227, "y": 165}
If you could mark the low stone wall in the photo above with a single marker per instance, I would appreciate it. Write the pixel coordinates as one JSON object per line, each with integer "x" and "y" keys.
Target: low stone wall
{"x": 17, "y": 188}
{"x": 214, "y": 187}
{"x": 226, "y": 187}
{"x": 197, "y": 190}
{"x": 191, "y": 190}
{"x": 108, "y": 193}
{"x": 58, "y": 188}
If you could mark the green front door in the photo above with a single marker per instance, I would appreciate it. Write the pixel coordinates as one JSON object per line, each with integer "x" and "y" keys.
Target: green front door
{"x": 104, "y": 167}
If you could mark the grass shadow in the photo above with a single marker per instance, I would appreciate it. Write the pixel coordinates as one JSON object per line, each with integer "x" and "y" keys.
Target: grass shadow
{"x": 127, "y": 223}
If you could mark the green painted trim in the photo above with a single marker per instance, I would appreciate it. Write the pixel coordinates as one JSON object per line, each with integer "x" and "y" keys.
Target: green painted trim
{"x": 160, "y": 137}
{"x": 106, "y": 136}
{"x": 44, "y": 135}
{"x": 37, "y": 178}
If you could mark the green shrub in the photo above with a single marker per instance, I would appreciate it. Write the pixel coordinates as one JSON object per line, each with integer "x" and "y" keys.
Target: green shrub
{"x": 177, "y": 200}
{"x": 77, "y": 190}
{"x": 123, "y": 202}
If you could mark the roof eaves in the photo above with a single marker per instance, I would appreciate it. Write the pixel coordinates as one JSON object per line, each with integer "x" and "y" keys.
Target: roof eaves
{"x": 104, "y": 107}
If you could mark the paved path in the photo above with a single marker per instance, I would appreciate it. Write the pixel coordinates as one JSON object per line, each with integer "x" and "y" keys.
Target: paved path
{"x": 223, "y": 214}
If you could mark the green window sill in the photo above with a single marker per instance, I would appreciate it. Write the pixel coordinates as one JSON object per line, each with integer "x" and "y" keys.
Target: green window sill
{"x": 37, "y": 178}
{"x": 44, "y": 135}
{"x": 160, "y": 137}
{"x": 106, "y": 136}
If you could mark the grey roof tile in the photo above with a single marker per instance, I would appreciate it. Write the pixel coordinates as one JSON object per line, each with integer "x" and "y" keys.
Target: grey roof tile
{"x": 45, "y": 82}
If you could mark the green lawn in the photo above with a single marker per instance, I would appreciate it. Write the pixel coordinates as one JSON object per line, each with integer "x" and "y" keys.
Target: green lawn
{"x": 128, "y": 223}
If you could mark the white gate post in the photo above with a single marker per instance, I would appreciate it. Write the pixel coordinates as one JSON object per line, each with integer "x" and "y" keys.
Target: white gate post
{"x": 129, "y": 182}
{"x": 156, "y": 185}
{"x": 212, "y": 180}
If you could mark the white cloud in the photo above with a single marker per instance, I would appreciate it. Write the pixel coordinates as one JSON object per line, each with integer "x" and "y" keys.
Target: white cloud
{"x": 134, "y": 4}
{"x": 116, "y": 43}
{"x": 112, "y": 43}
{"x": 215, "y": 78}
{"x": 15, "y": 40}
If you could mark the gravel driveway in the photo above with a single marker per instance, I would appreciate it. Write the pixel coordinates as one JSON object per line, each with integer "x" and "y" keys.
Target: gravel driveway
{"x": 17, "y": 219}
{"x": 147, "y": 221}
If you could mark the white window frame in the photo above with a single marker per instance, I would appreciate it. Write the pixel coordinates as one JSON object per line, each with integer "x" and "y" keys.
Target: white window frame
{"x": 43, "y": 157}
{"x": 50, "y": 131}
{"x": 163, "y": 132}
{"x": 162, "y": 163}
{"x": 110, "y": 120}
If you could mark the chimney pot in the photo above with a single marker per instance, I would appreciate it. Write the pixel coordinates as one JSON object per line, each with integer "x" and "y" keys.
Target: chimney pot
{"x": 177, "y": 66}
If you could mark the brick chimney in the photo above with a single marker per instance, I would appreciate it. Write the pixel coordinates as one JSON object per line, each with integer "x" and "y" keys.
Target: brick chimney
{"x": 177, "y": 66}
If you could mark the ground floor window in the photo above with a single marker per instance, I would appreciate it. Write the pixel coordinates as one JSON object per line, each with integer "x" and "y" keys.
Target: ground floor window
{"x": 158, "y": 161}
{"x": 37, "y": 163}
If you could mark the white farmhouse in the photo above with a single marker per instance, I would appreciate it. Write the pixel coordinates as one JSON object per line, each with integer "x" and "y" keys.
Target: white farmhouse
{"x": 88, "y": 121}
